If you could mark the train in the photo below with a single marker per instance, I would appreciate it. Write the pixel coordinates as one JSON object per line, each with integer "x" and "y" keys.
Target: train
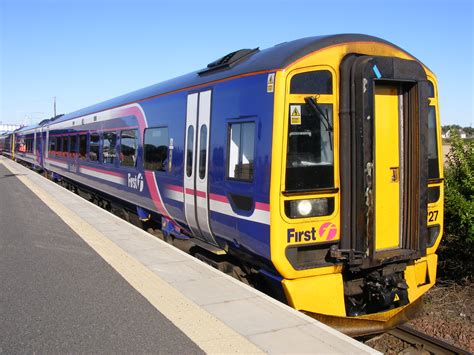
{"x": 310, "y": 169}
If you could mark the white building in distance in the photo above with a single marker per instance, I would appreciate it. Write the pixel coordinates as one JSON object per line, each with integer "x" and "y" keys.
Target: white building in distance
{"x": 6, "y": 127}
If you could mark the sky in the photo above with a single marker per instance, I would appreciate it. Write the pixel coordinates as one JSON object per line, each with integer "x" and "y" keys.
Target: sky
{"x": 86, "y": 51}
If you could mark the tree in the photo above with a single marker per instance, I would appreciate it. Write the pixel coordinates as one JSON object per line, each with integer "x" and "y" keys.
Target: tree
{"x": 457, "y": 249}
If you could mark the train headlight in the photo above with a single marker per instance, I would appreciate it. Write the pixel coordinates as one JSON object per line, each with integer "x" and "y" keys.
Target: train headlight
{"x": 314, "y": 207}
{"x": 304, "y": 207}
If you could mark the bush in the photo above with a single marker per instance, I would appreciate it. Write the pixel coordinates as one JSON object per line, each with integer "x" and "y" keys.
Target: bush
{"x": 457, "y": 248}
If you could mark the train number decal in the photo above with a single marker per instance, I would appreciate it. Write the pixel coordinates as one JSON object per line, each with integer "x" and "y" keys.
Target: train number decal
{"x": 432, "y": 216}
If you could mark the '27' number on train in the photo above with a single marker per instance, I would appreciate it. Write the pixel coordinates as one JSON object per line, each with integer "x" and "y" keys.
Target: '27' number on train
{"x": 432, "y": 216}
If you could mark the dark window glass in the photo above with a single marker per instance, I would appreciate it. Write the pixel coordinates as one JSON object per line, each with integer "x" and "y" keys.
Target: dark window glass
{"x": 52, "y": 144}
{"x": 433, "y": 167}
{"x": 65, "y": 144}
{"x": 73, "y": 146}
{"x": 94, "y": 147}
{"x": 313, "y": 82}
{"x": 59, "y": 144}
{"x": 128, "y": 147}
{"x": 156, "y": 148}
{"x": 433, "y": 194}
{"x": 108, "y": 147}
{"x": 190, "y": 152}
{"x": 431, "y": 89}
{"x": 241, "y": 148}
{"x": 82, "y": 146}
{"x": 203, "y": 152}
{"x": 310, "y": 154}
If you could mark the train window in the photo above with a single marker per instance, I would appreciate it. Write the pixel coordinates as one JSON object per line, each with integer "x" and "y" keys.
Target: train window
{"x": 203, "y": 152}
{"x": 431, "y": 92}
{"x": 52, "y": 144}
{"x": 156, "y": 149}
{"x": 128, "y": 147}
{"x": 190, "y": 151}
{"x": 65, "y": 145}
{"x": 59, "y": 145}
{"x": 73, "y": 146}
{"x": 433, "y": 168}
{"x": 310, "y": 154}
{"x": 241, "y": 149}
{"x": 109, "y": 141}
{"x": 313, "y": 82}
{"x": 82, "y": 146}
{"x": 94, "y": 147}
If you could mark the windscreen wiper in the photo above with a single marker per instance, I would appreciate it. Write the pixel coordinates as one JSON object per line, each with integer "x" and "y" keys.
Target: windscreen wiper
{"x": 311, "y": 101}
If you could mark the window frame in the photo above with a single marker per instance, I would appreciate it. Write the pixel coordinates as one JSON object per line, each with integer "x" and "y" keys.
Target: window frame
{"x": 93, "y": 144}
{"x": 73, "y": 149}
{"x": 331, "y": 88}
{"x": 79, "y": 148}
{"x": 206, "y": 153}
{"x": 165, "y": 169}
{"x": 228, "y": 146}
{"x": 321, "y": 151}
{"x": 52, "y": 139}
{"x": 189, "y": 154}
{"x": 137, "y": 144}
{"x": 103, "y": 135}
{"x": 323, "y": 99}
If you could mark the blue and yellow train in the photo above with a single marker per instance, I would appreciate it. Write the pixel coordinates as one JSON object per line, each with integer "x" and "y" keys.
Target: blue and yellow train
{"x": 310, "y": 169}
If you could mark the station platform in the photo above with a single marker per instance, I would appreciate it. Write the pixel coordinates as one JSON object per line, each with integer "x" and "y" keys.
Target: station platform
{"x": 76, "y": 278}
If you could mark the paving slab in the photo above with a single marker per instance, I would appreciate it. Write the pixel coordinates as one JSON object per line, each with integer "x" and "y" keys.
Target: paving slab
{"x": 241, "y": 316}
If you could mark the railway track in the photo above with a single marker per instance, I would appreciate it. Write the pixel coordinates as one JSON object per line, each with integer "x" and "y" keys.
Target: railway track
{"x": 428, "y": 343}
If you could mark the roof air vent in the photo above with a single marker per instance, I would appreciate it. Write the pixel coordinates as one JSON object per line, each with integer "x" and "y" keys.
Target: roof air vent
{"x": 229, "y": 60}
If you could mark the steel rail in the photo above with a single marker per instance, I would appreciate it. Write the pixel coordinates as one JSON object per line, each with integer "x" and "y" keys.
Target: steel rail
{"x": 429, "y": 343}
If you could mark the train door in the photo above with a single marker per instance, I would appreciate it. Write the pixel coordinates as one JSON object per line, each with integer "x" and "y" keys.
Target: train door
{"x": 196, "y": 188}
{"x": 383, "y": 158}
{"x": 387, "y": 167}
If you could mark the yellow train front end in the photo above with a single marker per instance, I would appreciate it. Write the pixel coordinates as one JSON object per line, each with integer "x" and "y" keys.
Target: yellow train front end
{"x": 358, "y": 181}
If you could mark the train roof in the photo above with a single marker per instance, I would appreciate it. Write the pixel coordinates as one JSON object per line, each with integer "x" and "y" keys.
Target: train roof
{"x": 247, "y": 61}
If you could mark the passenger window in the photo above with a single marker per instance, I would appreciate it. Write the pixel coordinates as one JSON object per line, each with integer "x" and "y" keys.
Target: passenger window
{"x": 310, "y": 153}
{"x": 156, "y": 149}
{"x": 59, "y": 145}
{"x": 65, "y": 145}
{"x": 190, "y": 152}
{"x": 203, "y": 152}
{"x": 94, "y": 147}
{"x": 73, "y": 146}
{"x": 82, "y": 146}
{"x": 128, "y": 147}
{"x": 52, "y": 144}
{"x": 241, "y": 147}
{"x": 108, "y": 147}
{"x": 313, "y": 82}
{"x": 433, "y": 167}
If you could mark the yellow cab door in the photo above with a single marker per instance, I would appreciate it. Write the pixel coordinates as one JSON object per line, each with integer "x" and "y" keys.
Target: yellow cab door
{"x": 387, "y": 167}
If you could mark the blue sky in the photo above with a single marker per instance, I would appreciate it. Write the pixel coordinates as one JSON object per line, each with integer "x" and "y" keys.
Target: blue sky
{"x": 87, "y": 51}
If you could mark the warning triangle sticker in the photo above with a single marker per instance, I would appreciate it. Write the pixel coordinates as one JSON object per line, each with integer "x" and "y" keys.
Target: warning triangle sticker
{"x": 295, "y": 112}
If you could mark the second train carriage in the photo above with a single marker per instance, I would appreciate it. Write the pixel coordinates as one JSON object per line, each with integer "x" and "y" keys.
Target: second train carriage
{"x": 314, "y": 163}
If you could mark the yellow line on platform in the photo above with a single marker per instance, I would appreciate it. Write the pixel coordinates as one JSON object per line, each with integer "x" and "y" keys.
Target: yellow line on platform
{"x": 208, "y": 332}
